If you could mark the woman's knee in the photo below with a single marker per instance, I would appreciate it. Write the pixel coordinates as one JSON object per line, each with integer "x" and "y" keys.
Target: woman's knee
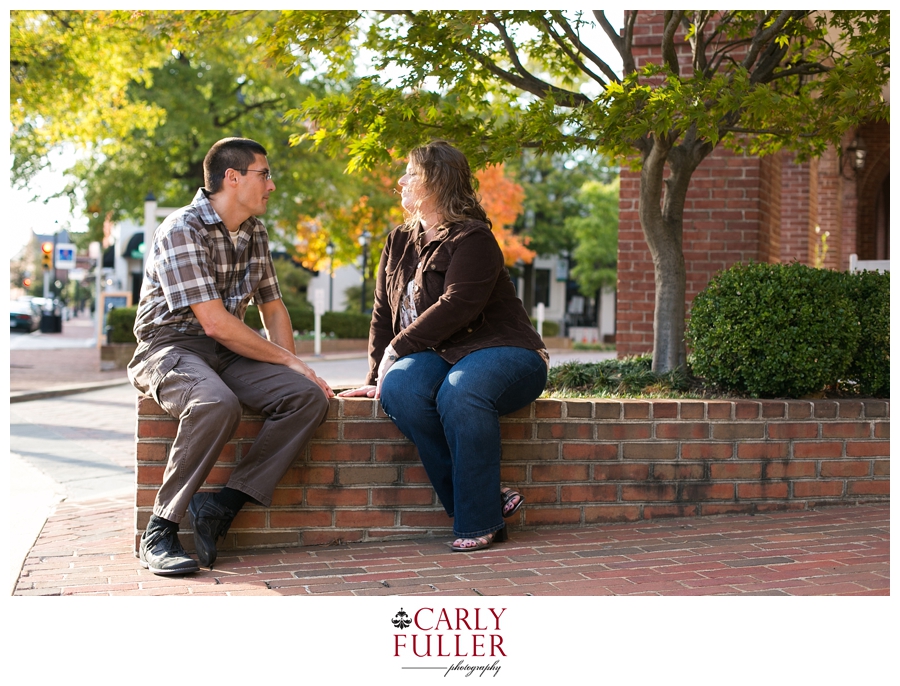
{"x": 393, "y": 394}
{"x": 459, "y": 401}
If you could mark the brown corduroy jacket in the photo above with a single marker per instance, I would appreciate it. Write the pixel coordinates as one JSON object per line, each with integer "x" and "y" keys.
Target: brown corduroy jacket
{"x": 463, "y": 295}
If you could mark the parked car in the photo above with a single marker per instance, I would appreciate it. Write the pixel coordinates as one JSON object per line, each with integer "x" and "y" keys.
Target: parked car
{"x": 23, "y": 316}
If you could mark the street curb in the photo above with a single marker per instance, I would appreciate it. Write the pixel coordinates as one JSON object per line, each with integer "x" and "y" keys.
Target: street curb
{"x": 25, "y": 396}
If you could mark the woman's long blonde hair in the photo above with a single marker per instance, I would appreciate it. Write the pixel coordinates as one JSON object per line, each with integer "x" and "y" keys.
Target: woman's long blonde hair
{"x": 448, "y": 182}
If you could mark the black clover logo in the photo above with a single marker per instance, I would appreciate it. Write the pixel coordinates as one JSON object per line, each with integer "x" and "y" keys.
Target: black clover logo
{"x": 401, "y": 620}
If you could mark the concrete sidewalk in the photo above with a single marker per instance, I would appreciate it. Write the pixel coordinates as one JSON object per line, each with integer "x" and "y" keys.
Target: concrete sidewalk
{"x": 85, "y": 549}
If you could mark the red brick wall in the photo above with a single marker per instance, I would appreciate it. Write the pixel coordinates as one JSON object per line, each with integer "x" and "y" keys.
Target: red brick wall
{"x": 729, "y": 217}
{"x": 797, "y": 208}
{"x": 577, "y": 462}
{"x": 877, "y": 137}
{"x": 635, "y": 286}
{"x": 770, "y": 209}
{"x": 830, "y": 208}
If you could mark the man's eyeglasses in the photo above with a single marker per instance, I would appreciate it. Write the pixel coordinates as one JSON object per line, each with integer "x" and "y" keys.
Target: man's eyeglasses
{"x": 267, "y": 173}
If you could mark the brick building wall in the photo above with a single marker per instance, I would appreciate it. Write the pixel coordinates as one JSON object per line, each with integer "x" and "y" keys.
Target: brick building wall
{"x": 730, "y": 215}
{"x": 872, "y": 182}
{"x": 798, "y": 197}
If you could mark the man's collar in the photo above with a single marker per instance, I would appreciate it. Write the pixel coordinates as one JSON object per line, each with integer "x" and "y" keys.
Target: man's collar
{"x": 209, "y": 215}
{"x": 207, "y": 212}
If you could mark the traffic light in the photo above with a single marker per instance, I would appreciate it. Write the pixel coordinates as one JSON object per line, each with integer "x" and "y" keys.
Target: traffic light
{"x": 26, "y": 282}
{"x": 47, "y": 254}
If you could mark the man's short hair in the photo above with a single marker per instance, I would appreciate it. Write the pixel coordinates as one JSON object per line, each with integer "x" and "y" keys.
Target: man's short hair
{"x": 228, "y": 153}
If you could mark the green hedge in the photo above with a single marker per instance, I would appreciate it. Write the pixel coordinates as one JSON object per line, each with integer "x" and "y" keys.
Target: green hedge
{"x": 346, "y": 324}
{"x": 341, "y": 324}
{"x": 121, "y": 323}
{"x": 550, "y": 328}
{"x": 870, "y": 368}
{"x": 773, "y": 330}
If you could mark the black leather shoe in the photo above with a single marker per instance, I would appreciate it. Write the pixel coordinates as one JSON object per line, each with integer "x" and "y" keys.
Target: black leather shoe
{"x": 211, "y": 522}
{"x": 161, "y": 553}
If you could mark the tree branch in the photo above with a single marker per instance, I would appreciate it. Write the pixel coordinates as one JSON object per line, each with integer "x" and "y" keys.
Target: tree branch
{"x": 764, "y": 36}
{"x": 622, "y": 45}
{"x": 583, "y": 49}
{"x": 770, "y": 59}
{"x": 62, "y": 20}
{"x": 220, "y": 122}
{"x": 804, "y": 69}
{"x": 670, "y": 57}
{"x": 510, "y": 46}
{"x": 698, "y": 44}
{"x": 529, "y": 83}
{"x": 611, "y": 33}
{"x": 724, "y": 53}
{"x": 723, "y": 21}
{"x": 572, "y": 56}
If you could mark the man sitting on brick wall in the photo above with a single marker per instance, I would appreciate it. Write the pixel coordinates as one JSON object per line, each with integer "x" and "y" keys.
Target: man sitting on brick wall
{"x": 200, "y": 362}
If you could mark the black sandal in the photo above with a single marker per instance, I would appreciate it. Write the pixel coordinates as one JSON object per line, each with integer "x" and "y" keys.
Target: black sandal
{"x": 510, "y": 496}
{"x": 481, "y": 542}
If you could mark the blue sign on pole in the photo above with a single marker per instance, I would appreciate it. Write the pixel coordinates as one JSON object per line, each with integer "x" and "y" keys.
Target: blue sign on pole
{"x": 65, "y": 256}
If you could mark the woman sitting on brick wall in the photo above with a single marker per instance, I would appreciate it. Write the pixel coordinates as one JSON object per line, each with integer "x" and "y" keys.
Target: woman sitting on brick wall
{"x": 451, "y": 347}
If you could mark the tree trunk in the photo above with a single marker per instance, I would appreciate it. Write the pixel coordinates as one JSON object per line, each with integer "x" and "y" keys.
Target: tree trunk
{"x": 662, "y": 220}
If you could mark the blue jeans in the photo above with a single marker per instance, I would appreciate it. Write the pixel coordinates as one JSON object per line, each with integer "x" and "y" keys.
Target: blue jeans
{"x": 452, "y": 414}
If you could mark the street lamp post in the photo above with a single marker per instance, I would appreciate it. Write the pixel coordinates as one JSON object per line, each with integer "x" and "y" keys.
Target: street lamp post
{"x": 329, "y": 250}
{"x": 364, "y": 242}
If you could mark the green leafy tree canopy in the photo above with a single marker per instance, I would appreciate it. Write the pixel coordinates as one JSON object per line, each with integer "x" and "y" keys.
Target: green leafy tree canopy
{"x": 495, "y": 82}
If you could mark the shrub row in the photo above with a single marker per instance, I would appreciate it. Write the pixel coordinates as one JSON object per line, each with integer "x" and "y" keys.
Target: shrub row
{"x": 120, "y": 321}
{"x": 774, "y": 330}
{"x": 341, "y": 324}
{"x": 550, "y": 328}
{"x": 626, "y": 377}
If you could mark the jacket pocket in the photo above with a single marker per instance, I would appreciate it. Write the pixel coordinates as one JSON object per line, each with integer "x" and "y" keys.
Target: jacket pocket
{"x": 433, "y": 276}
{"x": 439, "y": 262}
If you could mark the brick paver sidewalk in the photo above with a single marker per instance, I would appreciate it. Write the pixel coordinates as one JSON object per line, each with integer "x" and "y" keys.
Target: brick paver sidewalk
{"x": 42, "y": 368}
{"x": 85, "y": 549}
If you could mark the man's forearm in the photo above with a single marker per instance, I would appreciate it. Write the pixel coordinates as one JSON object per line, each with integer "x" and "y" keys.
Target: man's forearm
{"x": 223, "y": 327}
{"x": 241, "y": 339}
{"x": 277, "y": 322}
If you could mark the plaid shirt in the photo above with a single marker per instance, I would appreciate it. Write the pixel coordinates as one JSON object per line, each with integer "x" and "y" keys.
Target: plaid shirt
{"x": 193, "y": 260}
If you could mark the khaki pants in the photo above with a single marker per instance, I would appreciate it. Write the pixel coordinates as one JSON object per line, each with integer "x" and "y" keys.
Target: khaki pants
{"x": 203, "y": 385}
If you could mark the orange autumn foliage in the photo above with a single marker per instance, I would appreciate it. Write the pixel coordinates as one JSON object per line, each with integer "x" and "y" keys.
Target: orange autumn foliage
{"x": 310, "y": 242}
{"x": 502, "y": 199}
{"x": 343, "y": 225}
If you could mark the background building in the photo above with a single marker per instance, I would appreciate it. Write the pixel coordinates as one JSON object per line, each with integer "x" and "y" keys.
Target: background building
{"x": 741, "y": 208}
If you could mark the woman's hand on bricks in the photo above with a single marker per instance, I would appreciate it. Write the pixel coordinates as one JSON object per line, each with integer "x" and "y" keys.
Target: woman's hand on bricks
{"x": 361, "y": 392}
